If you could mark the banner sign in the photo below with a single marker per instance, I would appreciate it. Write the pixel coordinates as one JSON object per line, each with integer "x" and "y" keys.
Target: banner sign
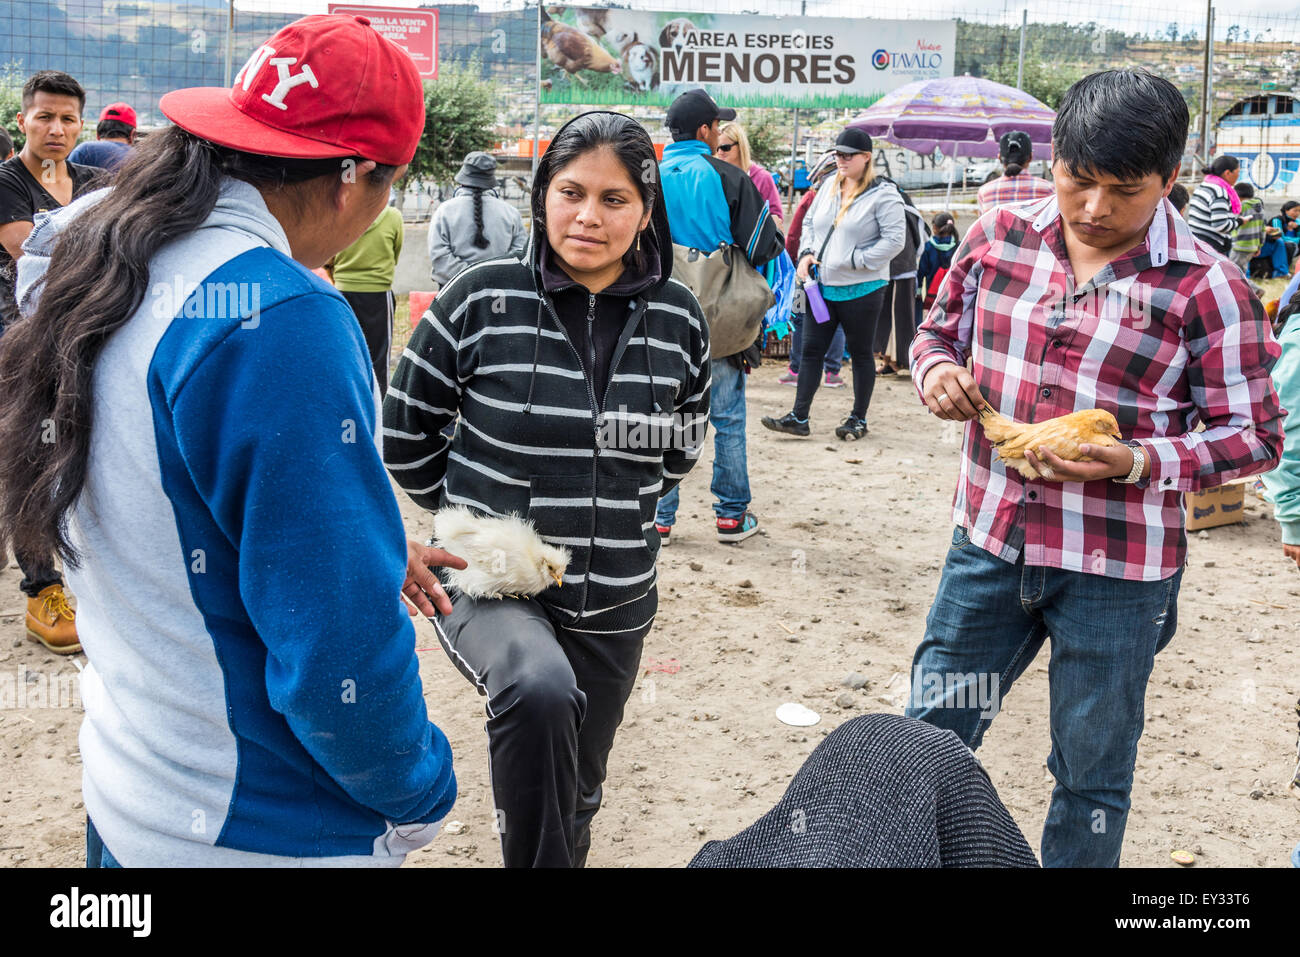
{"x": 415, "y": 31}
{"x": 612, "y": 56}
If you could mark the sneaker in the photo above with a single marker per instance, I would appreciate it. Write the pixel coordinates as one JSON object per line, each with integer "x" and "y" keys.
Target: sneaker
{"x": 790, "y": 378}
{"x": 52, "y": 622}
{"x": 833, "y": 381}
{"x": 787, "y": 424}
{"x": 737, "y": 529}
{"x": 665, "y": 534}
{"x": 852, "y": 429}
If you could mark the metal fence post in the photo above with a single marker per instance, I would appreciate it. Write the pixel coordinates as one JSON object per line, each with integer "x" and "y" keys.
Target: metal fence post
{"x": 230, "y": 41}
{"x": 1020, "y": 64}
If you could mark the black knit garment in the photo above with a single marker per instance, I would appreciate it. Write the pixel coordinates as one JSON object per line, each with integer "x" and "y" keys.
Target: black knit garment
{"x": 881, "y": 790}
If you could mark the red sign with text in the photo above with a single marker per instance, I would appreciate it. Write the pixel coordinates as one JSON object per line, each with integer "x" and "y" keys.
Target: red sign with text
{"x": 415, "y": 31}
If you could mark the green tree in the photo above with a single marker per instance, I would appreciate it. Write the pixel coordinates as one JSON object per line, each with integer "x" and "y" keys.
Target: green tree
{"x": 460, "y": 111}
{"x": 767, "y": 136}
{"x": 11, "y": 101}
{"x": 1045, "y": 82}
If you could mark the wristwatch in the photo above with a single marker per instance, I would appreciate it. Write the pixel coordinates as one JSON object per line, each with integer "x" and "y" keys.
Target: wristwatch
{"x": 1139, "y": 462}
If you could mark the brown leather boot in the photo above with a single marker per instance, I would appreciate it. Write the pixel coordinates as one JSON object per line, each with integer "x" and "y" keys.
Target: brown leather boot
{"x": 52, "y": 622}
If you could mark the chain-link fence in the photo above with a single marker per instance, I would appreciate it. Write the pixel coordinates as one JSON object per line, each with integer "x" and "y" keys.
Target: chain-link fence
{"x": 136, "y": 50}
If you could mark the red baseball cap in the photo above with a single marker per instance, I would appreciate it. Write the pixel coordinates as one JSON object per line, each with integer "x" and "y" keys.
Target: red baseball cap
{"x": 120, "y": 112}
{"x": 323, "y": 87}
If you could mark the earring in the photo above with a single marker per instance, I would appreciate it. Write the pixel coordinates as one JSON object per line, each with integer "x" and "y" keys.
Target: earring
{"x": 638, "y": 242}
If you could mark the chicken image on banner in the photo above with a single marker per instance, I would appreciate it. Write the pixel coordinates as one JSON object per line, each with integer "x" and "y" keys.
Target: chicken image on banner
{"x": 1063, "y": 435}
{"x": 506, "y": 557}
{"x": 572, "y": 50}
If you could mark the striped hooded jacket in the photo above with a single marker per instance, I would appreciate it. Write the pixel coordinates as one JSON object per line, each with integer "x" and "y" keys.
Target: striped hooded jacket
{"x": 536, "y": 438}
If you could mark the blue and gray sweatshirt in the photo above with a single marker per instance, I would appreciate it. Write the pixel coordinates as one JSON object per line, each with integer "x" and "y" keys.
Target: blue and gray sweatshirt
{"x": 253, "y": 695}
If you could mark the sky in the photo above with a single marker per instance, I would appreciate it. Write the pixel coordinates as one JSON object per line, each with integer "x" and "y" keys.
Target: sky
{"x": 1190, "y": 11}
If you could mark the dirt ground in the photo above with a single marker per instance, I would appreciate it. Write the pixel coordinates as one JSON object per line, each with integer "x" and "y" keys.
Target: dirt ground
{"x": 828, "y": 589}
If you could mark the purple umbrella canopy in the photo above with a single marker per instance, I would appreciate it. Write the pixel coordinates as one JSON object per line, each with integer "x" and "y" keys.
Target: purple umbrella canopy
{"x": 958, "y": 116}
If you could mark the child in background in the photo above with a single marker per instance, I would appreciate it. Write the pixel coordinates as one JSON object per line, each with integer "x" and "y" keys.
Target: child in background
{"x": 935, "y": 258}
{"x": 1249, "y": 236}
{"x": 1180, "y": 198}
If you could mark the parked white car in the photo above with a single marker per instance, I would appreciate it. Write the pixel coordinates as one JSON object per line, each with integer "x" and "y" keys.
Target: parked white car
{"x": 981, "y": 171}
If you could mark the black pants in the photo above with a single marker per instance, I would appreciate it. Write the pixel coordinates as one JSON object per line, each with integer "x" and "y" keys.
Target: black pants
{"x": 38, "y": 574}
{"x": 858, "y": 318}
{"x": 900, "y": 307}
{"x": 374, "y": 310}
{"x": 555, "y": 699}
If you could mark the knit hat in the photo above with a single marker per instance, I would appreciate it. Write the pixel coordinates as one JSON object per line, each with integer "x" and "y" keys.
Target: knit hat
{"x": 477, "y": 171}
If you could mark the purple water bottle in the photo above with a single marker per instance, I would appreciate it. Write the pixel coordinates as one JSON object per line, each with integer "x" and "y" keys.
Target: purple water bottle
{"x": 816, "y": 304}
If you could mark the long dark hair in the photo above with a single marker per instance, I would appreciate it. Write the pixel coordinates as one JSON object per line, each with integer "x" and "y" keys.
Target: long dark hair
{"x": 630, "y": 143}
{"x": 480, "y": 238}
{"x": 97, "y": 278}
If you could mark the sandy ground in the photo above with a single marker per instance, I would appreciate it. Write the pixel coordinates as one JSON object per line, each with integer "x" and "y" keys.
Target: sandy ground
{"x": 832, "y": 588}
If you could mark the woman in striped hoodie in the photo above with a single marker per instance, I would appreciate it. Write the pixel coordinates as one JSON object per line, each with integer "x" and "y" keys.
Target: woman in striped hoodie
{"x": 579, "y": 382}
{"x": 1214, "y": 212}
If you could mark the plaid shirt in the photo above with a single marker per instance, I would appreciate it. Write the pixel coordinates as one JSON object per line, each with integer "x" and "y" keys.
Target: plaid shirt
{"x": 1012, "y": 189}
{"x": 1166, "y": 337}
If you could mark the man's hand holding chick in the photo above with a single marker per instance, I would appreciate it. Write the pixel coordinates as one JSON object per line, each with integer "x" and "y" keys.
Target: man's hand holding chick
{"x": 421, "y": 584}
{"x": 1109, "y": 461}
{"x": 950, "y": 392}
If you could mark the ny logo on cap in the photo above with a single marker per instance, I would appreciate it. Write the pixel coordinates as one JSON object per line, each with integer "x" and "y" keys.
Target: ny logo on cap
{"x": 265, "y": 54}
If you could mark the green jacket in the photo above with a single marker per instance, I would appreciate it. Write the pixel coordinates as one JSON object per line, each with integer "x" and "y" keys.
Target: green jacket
{"x": 1249, "y": 236}
{"x": 1282, "y": 485}
{"x": 369, "y": 263}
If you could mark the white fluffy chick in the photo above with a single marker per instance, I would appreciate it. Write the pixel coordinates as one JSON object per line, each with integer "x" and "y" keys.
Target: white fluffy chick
{"x": 506, "y": 556}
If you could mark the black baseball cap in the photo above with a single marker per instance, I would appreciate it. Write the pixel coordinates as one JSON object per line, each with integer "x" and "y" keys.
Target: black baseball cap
{"x": 694, "y": 109}
{"x": 1014, "y": 147}
{"x": 852, "y": 140}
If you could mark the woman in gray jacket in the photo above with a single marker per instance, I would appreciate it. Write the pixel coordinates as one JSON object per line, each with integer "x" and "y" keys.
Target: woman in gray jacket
{"x": 853, "y": 230}
{"x": 475, "y": 225}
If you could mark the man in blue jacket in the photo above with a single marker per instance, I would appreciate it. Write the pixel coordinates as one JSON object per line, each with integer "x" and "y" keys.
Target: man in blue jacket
{"x": 711, "y": 202}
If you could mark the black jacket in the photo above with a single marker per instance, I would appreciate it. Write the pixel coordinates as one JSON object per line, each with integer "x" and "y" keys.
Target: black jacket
{"x": 507, "y": 349}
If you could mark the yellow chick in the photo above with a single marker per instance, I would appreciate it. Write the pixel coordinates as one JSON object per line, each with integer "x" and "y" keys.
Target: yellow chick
{"x": 1063, "y": 435}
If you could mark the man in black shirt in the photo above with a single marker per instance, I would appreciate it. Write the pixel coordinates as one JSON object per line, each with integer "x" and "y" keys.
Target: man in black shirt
{"x": 38, "y": 179}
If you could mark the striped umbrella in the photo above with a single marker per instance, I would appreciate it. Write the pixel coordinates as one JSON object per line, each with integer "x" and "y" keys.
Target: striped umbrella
{"x": 958, "y": 116}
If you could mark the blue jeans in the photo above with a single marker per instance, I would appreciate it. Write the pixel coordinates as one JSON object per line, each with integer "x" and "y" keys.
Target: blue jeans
{"x": 97, "y": 854}
{"x": 730, "y": 469}
{"x": 834, "y": 360}
{"x": 1274, "y": 251}
{"x": 988, "y": 621}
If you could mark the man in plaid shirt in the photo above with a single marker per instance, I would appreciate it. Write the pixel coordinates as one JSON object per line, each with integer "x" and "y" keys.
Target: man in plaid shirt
{"x": 1099, "y": 297}
{"x": 1014, "y": 185}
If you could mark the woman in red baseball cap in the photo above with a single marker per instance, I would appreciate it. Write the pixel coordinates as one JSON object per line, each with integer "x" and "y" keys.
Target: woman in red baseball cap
{"x": 253, "y": 694}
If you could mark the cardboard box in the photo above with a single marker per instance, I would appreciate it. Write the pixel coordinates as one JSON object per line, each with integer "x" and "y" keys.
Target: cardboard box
{"x": 1216, "y": 506}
